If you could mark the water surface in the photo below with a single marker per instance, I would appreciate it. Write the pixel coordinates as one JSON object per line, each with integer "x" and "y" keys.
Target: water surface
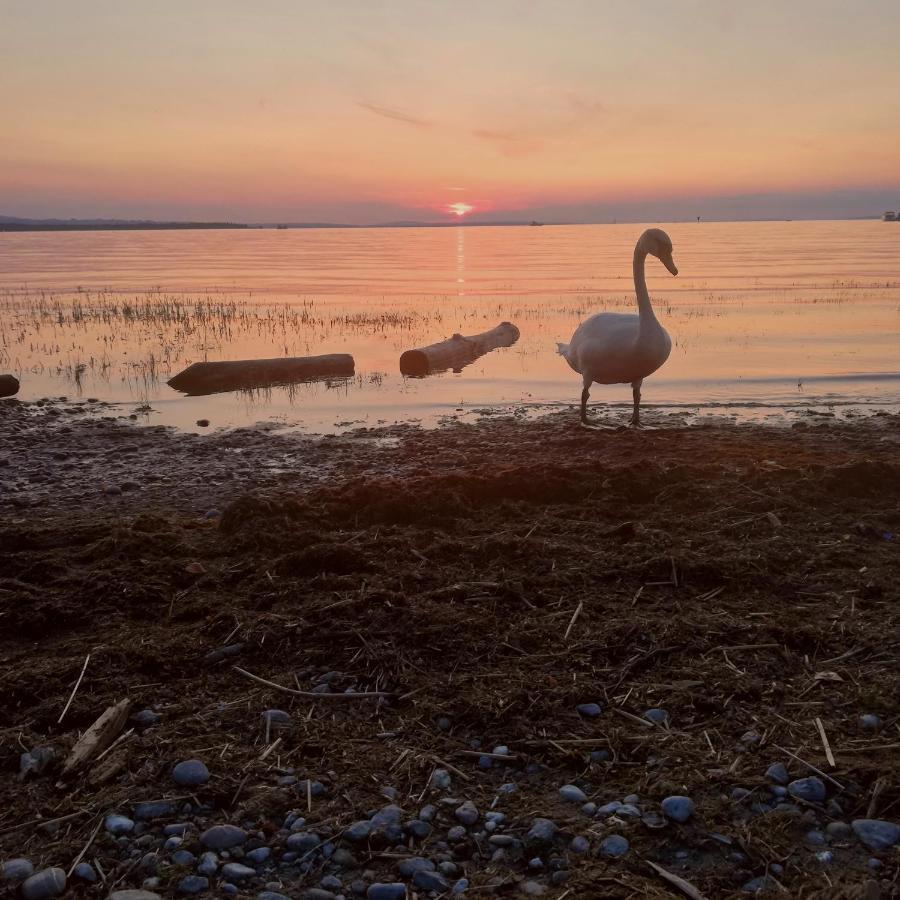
{"x": 764, "y": 316}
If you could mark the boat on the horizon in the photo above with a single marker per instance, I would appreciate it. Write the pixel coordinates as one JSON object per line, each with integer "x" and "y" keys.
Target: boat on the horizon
{"x": 535, "y": 224}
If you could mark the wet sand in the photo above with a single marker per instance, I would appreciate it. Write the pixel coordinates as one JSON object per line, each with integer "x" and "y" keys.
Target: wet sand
{"x": 490, "y": 578}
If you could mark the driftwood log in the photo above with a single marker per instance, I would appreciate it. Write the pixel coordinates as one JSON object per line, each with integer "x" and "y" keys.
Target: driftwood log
{"x": 247, "y": 374}
{"x": 457, "y": 351}
{"x": 9, "y": 385}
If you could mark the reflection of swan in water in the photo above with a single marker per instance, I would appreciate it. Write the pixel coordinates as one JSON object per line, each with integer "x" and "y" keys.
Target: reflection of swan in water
{"x": 623, "y": 348}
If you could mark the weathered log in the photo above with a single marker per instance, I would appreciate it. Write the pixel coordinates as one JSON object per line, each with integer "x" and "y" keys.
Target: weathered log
{"x": 97, "y": 738}
{"x": 247, "y": 374}
{"x": 457, "y": 351}
{"x": 9, "y": 385}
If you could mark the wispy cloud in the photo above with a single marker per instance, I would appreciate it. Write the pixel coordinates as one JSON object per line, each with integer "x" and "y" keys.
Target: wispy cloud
{"x": 398, "y": 115}
{"x": 509, "y": 143}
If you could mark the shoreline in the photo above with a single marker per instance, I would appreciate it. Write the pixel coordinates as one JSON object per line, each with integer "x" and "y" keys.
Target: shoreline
{"x": 492, "y": 578}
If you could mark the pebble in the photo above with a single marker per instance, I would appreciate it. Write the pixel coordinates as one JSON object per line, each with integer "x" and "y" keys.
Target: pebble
{"x": 838, "y": 831}
{"x": 467, "y": 813}
{"x": 877, "y": 834}
{"x": 46, "y": 883}
{"x": 778, "y": 773}
{"x": 358, "y": 831}
{"x": 441, "y": 780}
{"x": 460, "y": 887}
{"x": 532, "y": 888}
{"x": 758, "y": 885}
{"x": 811, "y": 789}
{"x": 408, "y": 867}
{"x": 589, "y": 710}
{"x": 614, "y": 846}
{"x": 678, "y": 808}
{"x": 456, "y": 834}
{"x": 542, "y": 832}
{"x": 184, "y": 858}
{"x": 579, "y": 844}
{"x": 259, "y": 855}
{"x": 190, "y": 773}
{"x": 657, "y": 716}
{"x": 303, "y": 841}
{"x": 212, "y": 514}
{"x": 599, "y": 755}
{"x": 146, "y": 718}
{"x": 176, "y": 829}
{"x": 17, "y": 869}
{"x": 609, "y": 809}
{"x": 331, "y": 883}
{"x": 208, "y": 865}
{"x": 237, "y": 871}
{"x": 276, "y": 717}
{"x": 223, "y": 837}
{"x": 192, "y": 884}
{"x": 154, "y": 809}
{"x": 870, "y": 722}
{"x": 572, "y": 793}
{"x": 418, "y": 829}
{"x": 386, "y": 891}
{"x": 430, "y": 881}
{"x": 815, "y": 838}
{"x": 589, "y": 808}
{"x": 825, "y": 856}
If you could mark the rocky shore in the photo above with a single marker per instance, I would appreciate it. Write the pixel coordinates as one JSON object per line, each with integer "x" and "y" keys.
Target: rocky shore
{"x": 511, "y": 659}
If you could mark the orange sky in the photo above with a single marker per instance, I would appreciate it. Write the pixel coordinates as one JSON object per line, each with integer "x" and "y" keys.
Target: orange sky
{"x": 353, "y": 111}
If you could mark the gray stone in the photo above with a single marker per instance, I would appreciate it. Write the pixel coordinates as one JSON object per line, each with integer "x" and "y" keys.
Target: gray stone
{"x": 46, "y": 883}
{"x": 811, "y": 789}
{"x": 190, "y": 773}
{"x": 877, "y": 834}
{"x": 579, "y": 844}
{"x": 234, "y": 871}
{"x": 460, "y": 887}
{"x": 208, "y": 865}
{"x": 440, "y": 780}
{"x": 33, "y": 762}
{"x": 386, "y": 891}
{"x": 778, "y": 773}
{"x": 572, "y": 793}
{"x": 532, "y": 888}
{"x": 657, "y": 716}
{"x": 223, "y": 837}
{"x": 154, "y": 809}
{"x": 678, "y": 808}
{"x": 192, "y": 884}
{"x": 815, "y": 838}
{"x": 418, "y": 829}
{"x": 456, "y": 834}
{"x": 184, "y": 858}
{"x": 303, "y": 841}
{"x": 430, "y": 881}
{"x": 613, "y": 846}
{"x": 838, "y": 831}
{"x": 467, "y": 813}
{"x": 408, "y": 867}
{"x": 15, "y": 870}
{"x": 331, "y": 883}
{"x": 870, "y": 722}
{"x": 760, "y": 885}
{"x": 589, "y": 710}
{"x": 609, "y": 809}
{"x": 358, "y": 831}
{"x": 542, "y": 832}
{"x": 276, "y": 718}
{"x": 259, "y": 855}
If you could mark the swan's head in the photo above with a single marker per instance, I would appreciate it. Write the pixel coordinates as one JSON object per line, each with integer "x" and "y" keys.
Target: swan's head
{"x": 657, "y": 243}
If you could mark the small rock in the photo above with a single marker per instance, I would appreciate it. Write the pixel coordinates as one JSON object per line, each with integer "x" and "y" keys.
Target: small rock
{"x": 259, "y": 855}
{"x": 303, "y": 841}
{"x": 609, "y": 809}
{"x": 203, "y": 423}
{"x": 460, "y": 887}
{"x": 154, "y": 809}
{"x": 384, "y": 891}
{"x": 212, "y": 514}
{"x": 758, "y": 885}
{"x": 572, "y": 793}
{"x": 825, "y": 857}
{"x": 589, "y": 710}
{"x": 542, "y": 832}
{"x": 815, "y": 838}
{"x": 838, "y": 831}
{"x": 657, "y": 716}
{"x": 456, "y": 834}
{"x": 358, "y": 831}
{"x": 678, "y": 808}
{"x": 190, "y": 773}
{"x": 192, "y": 884}
{"x": 440, "y": 780}
{"x": 208, "y": 865}
{"x": 331, "y": 883}
{"x": 223, "y": 837}
{"x": 579, "y": 844}
{"x": 430, "y": 881}
{"x": 418, "y": 829}
{"x": 237, "y": 871}
{"x": 184, "y": 858}
{"x": 35, "y": 761}
{"x": 613, "y": 846}
{"x": 15, "y": 870}
{"x": 46, "y": 883}
{"x": 467, "y": 813}
{"x": 811, "y": 789}
{"x": 877, "y": 834}
{"x": 276, "y": 717}
{"x": 532, "y": 888}
{"x": 778, "y": 773}
{"x": 409, "y": 867}
{"x": 146, "y": 718}
{"x": 598, "y": 756}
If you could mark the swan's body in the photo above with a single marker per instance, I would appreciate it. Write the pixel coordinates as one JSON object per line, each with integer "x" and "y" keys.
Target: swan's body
{"x": 621, "y": 348}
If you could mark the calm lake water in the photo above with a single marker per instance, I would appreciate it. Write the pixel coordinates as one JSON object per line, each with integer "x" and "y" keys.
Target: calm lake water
{"x": 764, "y": 317}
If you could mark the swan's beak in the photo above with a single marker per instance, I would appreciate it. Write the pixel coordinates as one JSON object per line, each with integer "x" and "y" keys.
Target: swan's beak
{"x": 669, "y": 263}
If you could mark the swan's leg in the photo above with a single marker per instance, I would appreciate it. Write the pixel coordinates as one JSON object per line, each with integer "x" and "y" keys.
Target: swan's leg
{"x": 585, "y": 393}
{"x": 636, "y": 394}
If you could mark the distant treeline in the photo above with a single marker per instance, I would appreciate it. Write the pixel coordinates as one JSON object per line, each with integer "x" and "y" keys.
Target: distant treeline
{"x": 113, "y": 226}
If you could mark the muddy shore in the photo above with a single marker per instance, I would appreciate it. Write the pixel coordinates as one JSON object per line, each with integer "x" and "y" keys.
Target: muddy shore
{"x": 490, "y": 579}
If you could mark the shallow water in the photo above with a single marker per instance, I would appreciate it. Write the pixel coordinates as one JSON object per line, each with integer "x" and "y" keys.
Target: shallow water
{"x": 764, "y": 317}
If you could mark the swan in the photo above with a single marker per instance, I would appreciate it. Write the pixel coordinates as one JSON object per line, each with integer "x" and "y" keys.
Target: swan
{"x": 623, "y": 348}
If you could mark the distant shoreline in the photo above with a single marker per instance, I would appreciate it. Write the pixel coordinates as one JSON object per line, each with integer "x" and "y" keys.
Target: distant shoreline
{"x": 77, "y": 225}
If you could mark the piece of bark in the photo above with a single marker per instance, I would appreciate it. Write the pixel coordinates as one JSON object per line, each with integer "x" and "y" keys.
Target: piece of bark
{"x": 247, "y": 374}
{"x": 97, "y": 738}
{"x": 457, "y": 351}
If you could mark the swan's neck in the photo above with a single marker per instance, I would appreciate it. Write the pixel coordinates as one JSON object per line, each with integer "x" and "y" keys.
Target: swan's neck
{"x": 645, "y": 308}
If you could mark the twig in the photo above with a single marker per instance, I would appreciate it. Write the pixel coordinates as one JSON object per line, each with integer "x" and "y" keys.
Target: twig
{"x": 575, "y": 615}
{"x": 45, "y": 822}
{"x": 828, "y": 754}
{"x": 880, "y": 785}
{"x": 84, "y": 849}
{"x": 355, "y": 695}
{"x": 240, "y": 787}
{"x": 808, "y": 765}
{"x": 62, "y": 715}
{"x": 645, "y": 722}
{"x": 676, "y": 881}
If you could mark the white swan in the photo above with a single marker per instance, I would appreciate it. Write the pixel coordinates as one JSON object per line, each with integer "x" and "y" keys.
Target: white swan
{"x": 622, "y": 348}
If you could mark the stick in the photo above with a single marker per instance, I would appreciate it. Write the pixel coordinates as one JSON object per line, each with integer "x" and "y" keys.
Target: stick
{"x": 880, "y": 785}
{"x": 828, "y": 754}
{"x": 645, "y": 722}
{"x": 84, "y": 849}
{"x": 73, "y": 815}
{"x": 684, "y": 886}
{"x": 62, "y": 715}
{"x": 837, "y": 784}
{"x": 356, "y": 695}
{"x": 575, "y": 615}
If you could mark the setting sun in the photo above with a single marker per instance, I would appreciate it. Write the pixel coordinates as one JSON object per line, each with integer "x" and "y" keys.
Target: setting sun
{"x": 459, "y": 209}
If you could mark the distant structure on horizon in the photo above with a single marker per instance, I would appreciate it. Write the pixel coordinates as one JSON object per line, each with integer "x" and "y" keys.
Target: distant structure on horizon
{"x": 891, "y": 216}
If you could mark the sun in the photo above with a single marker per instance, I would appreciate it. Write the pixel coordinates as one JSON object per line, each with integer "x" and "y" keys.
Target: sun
{"x": 459, "y": 209}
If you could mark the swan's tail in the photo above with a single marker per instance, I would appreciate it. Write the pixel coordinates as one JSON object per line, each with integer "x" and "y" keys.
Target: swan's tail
{"x": 562, "y": 349}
